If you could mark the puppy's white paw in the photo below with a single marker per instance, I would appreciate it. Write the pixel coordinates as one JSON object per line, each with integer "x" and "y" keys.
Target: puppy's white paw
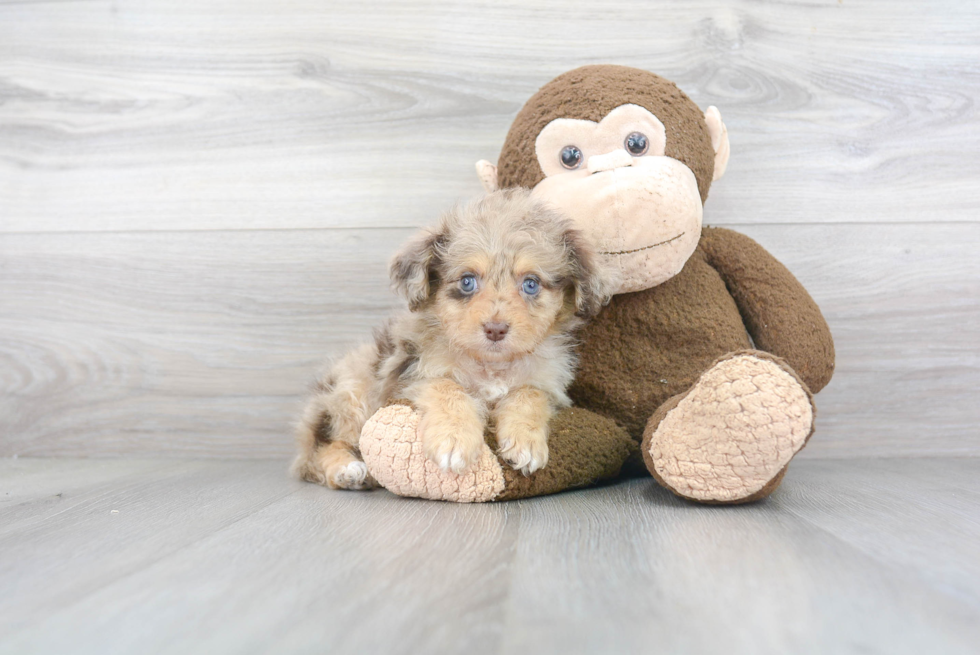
{"x": 453, "y": 452}
{"x": 526, "y": 452}
{"x": 353, "y": 475}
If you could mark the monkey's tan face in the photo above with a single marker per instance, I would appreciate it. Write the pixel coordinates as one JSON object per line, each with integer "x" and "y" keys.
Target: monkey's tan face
{"x": 641, "y": 209}
{"x": 643, "y": 218}
{"x": 498, "y": 310}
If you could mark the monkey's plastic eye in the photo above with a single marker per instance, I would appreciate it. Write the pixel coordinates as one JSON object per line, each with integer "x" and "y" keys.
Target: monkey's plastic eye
{"x": 571, "y": 157}
{"x": 531, "y": 286}
{"x": 467, "y": 284}
{"x": 636, "y": 144}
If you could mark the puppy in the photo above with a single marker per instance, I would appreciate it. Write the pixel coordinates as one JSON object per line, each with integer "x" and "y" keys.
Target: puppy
{"x": 495, "y": 291}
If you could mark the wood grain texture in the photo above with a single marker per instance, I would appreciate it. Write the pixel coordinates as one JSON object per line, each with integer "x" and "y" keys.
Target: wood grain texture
{"x": 699, "y": 580}
{"x": 203, "y": 343}
{"x": 182, "y": 342}
{"x": 842, "y": 498}
{"x": 231, "y": 115}
{"x": 146, "y": 515}
{"x": 28, "y": 483}
{"x": 209, "y": 557}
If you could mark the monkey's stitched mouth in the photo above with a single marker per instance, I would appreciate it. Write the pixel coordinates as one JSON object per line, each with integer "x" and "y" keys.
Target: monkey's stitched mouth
{"x": 653, "y": 245}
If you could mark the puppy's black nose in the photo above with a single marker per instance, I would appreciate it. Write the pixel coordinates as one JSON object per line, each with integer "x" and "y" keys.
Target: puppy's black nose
{"x": 495, "y": 331}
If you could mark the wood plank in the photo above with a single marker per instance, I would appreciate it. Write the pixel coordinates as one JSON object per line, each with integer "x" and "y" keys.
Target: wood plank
{"x": 194, "y": 344}
{"x": 935, "y": 534}
{"x": 231, "y": 115}
{"x": 638, "y": 568}
{"x": 186, "y": 343}
{"x": 63, "y": 553}
{"x": 26, "y": 482}
{"x": 621, "y": 568}
{"x": 315, "y": 570}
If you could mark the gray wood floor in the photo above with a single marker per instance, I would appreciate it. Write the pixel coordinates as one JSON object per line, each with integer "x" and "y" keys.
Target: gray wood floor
{"x": 205, "y": 556}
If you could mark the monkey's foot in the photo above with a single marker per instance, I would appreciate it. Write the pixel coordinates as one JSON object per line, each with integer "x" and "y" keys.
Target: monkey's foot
{"x": 584, "y": 448}
{"x": 729, "y": 438}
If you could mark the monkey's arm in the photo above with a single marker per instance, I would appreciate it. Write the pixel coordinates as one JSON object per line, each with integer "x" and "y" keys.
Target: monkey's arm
{"x": 778, "y": 312}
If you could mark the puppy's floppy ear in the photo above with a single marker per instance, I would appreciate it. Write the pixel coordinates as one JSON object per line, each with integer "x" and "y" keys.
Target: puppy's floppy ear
{"x": 413, "y": 269}
{"x": 593, "y": 282}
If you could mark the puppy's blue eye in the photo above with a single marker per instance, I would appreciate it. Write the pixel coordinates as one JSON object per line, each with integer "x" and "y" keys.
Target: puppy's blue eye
{"x": 467, "y": 284}
{"x": 531, "y": 286}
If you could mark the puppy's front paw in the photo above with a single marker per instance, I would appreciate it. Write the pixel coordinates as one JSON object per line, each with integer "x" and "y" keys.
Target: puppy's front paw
{"x": 525, "y": 450}
{"x": 455, "y": 450}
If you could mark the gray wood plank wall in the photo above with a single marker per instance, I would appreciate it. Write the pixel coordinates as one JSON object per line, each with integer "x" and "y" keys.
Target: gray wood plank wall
{"x": 198, "y": 199}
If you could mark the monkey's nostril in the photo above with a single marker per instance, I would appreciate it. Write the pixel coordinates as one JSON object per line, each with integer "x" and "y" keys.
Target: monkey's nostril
{"x": 495, "y": 331}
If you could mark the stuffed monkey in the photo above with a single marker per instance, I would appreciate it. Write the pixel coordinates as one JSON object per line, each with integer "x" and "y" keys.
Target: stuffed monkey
{"x": 703, "y": 366}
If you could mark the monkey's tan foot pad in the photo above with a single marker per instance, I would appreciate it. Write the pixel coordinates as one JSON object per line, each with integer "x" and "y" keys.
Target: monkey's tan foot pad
{"x": 584, "y": 448}
{"x": 392, "y": 449}
{"x": 729, "y": 438}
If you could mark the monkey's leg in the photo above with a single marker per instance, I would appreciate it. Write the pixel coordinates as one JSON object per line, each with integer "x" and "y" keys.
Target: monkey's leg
{"x": 730, "y": 437}
{"x": 584, "y": 448}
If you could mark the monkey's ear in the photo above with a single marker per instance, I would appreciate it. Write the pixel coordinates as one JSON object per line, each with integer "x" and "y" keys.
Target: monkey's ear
{"x": 488, "y": 175}
{"x": 593, "y": 282}
{"x": 413, "y": 269}
{"x": 719, "y": 140}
